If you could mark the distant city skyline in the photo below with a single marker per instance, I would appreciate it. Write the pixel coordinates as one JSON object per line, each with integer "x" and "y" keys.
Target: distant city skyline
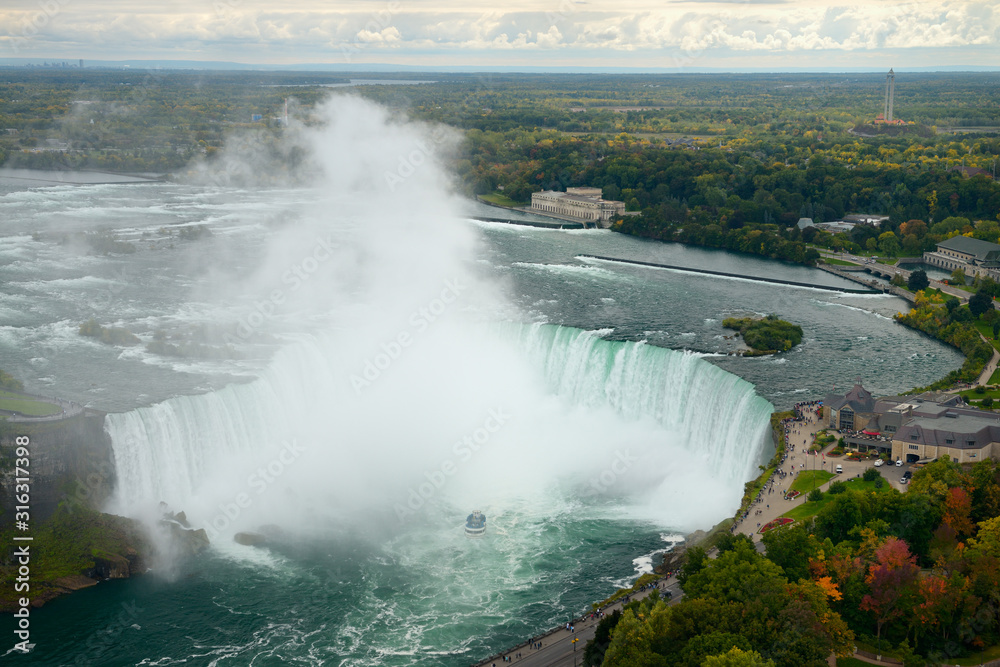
{"x": 770, "y": 35}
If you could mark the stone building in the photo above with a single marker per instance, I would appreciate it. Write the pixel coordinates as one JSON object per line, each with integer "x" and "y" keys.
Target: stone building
{"x": 974, "y": 257}
{"x": 932, "y": 430}
{"x": 583, "y": 204}
{"x": 914, "y": 428}
{"x": 852, "y": 411}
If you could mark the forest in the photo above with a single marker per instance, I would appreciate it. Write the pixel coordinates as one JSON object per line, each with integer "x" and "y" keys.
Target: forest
{"x": 913, "y": 575}
{"x": 720, "y": 160}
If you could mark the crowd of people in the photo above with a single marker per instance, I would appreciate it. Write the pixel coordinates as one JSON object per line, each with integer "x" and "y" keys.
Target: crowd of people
{"x": 802, "y": 408}
{"x": 806, "y": 412}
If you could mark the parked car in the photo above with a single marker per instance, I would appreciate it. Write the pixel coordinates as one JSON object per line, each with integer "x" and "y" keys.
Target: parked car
{"x": 908, "y": 474}
{"x": 840, "y": 468}
{"x": 878, "y": 463}
{"x": 899, "y": 463}
{"x": 903, "y": 480}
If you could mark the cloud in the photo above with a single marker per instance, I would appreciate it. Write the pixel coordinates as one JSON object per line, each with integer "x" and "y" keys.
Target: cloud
{"x": 301, "y": 31}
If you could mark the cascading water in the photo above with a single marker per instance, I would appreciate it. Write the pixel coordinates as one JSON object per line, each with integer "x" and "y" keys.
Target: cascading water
{"x": 712, "y": 412}
{"x": 576, "y": 403}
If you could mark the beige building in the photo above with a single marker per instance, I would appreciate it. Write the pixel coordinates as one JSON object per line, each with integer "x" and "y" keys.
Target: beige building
{"x": 965, "y": 434}
{"x": 914, "y": 428}
{"x": 974, "y": 257}
{"x": 583, "y": 204}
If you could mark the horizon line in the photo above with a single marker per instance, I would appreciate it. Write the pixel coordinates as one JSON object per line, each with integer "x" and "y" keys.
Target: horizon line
{"x": 382, "y": 68}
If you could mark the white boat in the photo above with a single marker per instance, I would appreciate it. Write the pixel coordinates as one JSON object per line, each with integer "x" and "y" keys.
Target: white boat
{"x": 475, "y": 524}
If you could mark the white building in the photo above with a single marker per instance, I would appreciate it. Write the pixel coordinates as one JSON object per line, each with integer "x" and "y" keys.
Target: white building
{"x": 583, "y": 204}
{"x": 974, "y": 257}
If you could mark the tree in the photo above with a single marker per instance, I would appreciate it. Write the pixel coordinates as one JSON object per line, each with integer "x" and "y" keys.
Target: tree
{"x": 630, "y": 644}
{"x": 694, "y": 561}
{"x": 918, "y": 281}
{"x": 957, "y": 505}
{"x": 890, "y": 579}
{"x": 737, "y": 658}
{"x": 593, "y": 654}
{"x": 979, "y": 303}
{"x": 791, "y": 547}
{"x": 915, "y": 227}
{"x": 888, "y": 244}
{"x": 957, "y": 277}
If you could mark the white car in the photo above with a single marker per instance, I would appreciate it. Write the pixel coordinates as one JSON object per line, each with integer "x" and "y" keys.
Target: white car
{"x": 899, "y": 463}
{"x": 878, "y": 463}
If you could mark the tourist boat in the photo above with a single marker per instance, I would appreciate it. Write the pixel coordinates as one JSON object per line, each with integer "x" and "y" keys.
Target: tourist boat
{"x": 475, "y": 524}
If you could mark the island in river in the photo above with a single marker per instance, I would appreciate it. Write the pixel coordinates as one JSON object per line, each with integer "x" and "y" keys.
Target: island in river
{"x": 765, "y": 335}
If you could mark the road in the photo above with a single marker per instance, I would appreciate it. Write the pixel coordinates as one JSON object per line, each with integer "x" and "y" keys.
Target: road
{"x": 891, "y": 269}
{"x": 558, "y": 648}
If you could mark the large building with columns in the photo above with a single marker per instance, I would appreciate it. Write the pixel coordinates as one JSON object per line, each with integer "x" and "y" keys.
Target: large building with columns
{"x": 583, "y": 204}
{"x": 973, "y": 256}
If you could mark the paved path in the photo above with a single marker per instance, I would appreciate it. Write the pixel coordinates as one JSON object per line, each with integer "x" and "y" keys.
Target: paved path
{"x": 984, "y": 377}
{"x": 558, "y": 648}
{"x": 772, "y": 504}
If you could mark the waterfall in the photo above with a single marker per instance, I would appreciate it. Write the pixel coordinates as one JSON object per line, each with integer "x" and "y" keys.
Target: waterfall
{"x": 577, "y": 384}
{"x": 710, "y": 410}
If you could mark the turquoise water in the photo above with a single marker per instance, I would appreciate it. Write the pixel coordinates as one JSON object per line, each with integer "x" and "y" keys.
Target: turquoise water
{"x": 628, "y": 421}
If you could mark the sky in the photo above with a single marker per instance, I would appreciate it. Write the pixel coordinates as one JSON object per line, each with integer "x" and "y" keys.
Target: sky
{"x": 643, "y": 34}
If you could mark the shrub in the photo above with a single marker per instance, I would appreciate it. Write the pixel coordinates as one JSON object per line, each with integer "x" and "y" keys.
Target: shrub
{"x": 879, "y": 483}
{"x": 815, "y": 496}
{"x": 837, "y": 487}
{"x": 980, "y": 389}
{"x": 918, "y": 281}
{"x": 987, "y": 402}
{"x": 870, "y": 475}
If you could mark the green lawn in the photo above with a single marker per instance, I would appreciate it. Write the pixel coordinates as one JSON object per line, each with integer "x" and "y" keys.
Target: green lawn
{"x": 851, "y": 662}
{"x": 807, "y": 480}
{"x": 839, "y": 262}
{"x": 995, "y": 378}
{"x": 807, "y": 510}
{"x": 26, "y": 406}
{"x": 501, "y": 200}
{"x": 971, "y": 396}
{"x": 987, "y": 332}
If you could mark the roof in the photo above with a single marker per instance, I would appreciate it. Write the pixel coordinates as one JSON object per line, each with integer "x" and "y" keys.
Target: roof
{"x": 980, "y": 250}
{"x": 858, "y": 399}
{"x": 971, "y": 171}
{"x": 805, "y": 222}
{"x": 587, "y": 199}
{"x": 965, "y": 430}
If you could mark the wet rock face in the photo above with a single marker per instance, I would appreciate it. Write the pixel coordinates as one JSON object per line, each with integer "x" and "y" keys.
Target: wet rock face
{"x": 71, "y": 461}
{"x": 250, "y": 539}
{"x": 187, "y": 540}
{"x": 114, "y": 566}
